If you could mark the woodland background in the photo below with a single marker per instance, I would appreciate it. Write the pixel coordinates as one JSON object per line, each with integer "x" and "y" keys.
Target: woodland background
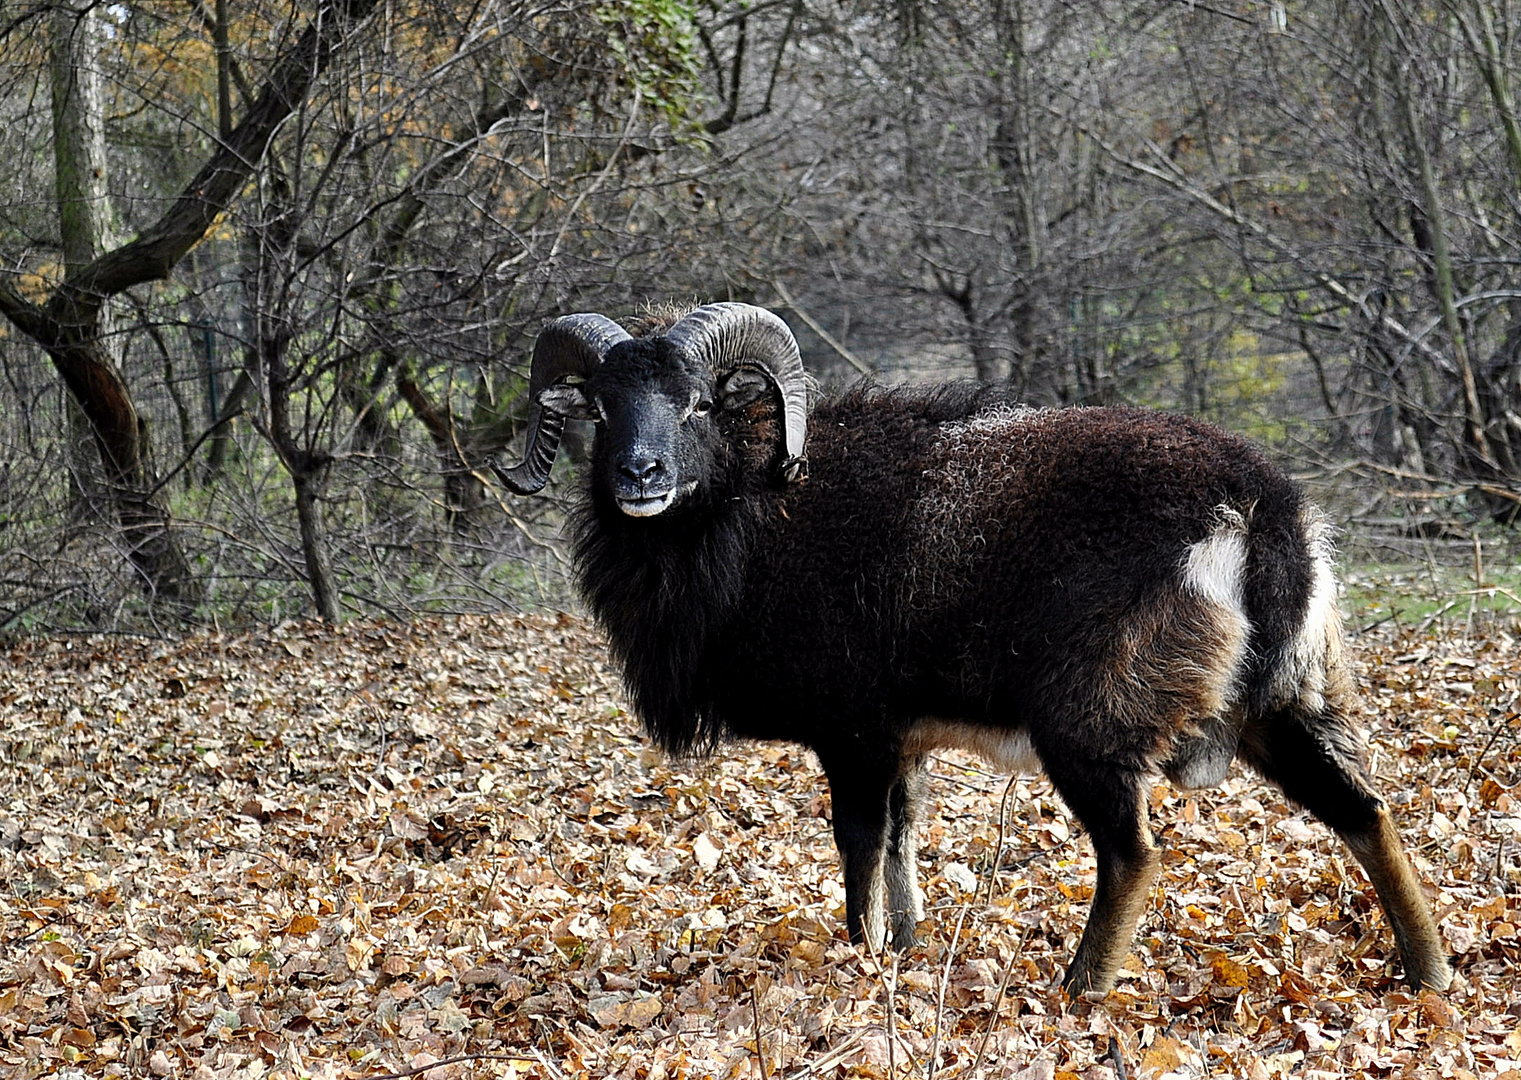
{"x": 297, "y": 783}
{"x": 270, "y": 272}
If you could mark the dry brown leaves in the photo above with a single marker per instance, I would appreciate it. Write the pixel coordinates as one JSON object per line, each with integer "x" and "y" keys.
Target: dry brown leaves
{"x": 352, "y": 853}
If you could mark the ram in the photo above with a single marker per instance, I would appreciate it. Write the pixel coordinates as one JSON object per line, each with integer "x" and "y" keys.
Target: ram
{"x": 1104, "y": 594}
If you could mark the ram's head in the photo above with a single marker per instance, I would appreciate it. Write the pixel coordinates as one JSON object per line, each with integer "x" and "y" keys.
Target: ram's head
{"x": 659, "y": 402}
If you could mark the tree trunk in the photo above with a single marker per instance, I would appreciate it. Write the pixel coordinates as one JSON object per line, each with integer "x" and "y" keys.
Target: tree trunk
{"x": 464, "y": 495}
{"x": 82, "y": 199}
{"x": 309, "y": 484}
{"x": 79, "y": 348}
{"x": 267, "y": 254}
{"x": 79, "y": 141}
{"x": 147, "y": 540}
{"x": 1018, "y": 157}
{"x": 1485, "y": 44}
{"x": 1436, "y": 246}
{"x": 308, "y": 469}
{"x": 221, "y": 439}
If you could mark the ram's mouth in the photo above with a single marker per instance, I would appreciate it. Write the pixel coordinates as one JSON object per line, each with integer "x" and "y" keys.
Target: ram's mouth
{"x": 646, "y": 507}
{"x": 650, "y": 505}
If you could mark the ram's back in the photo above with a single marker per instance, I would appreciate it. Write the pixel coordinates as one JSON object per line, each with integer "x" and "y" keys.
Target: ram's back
{"x": 1117, "y": 575}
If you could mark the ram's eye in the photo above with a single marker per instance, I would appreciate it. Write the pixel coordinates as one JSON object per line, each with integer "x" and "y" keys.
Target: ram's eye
{"x": 702, "y": 408}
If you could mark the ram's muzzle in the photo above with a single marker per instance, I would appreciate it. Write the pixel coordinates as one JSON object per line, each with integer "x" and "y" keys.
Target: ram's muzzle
{"x": 638, "y": 460}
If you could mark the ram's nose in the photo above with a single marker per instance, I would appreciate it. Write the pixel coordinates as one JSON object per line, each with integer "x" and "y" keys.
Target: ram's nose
{"x": 645, "y": 486}
{"x": 642, "y": 469}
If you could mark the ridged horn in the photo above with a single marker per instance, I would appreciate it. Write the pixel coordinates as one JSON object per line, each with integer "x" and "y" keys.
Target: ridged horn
{"x": 730, "y": 335}
{"x": 570, "y": 345}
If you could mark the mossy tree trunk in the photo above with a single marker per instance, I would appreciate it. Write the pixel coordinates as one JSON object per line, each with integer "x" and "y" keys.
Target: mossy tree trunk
{"x": 78, "y": 335}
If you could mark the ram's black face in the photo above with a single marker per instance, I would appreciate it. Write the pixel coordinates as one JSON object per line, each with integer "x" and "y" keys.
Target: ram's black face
{"x": 655, "y": 440}
{"x": 658, "y": 441}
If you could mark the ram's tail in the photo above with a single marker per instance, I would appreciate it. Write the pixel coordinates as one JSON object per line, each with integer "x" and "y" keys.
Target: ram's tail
{"x": 1295, "y": 647}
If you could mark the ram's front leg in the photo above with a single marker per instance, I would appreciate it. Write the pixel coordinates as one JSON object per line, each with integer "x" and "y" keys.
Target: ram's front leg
{"x": 900, "y": 864}
{"x": 859, "y": 790}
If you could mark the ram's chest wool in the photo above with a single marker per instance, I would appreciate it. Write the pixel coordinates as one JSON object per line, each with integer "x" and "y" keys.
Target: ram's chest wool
{"x": 1104, "y": 594}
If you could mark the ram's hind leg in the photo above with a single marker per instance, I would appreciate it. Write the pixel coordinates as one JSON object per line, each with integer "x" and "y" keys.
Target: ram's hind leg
{"x": 1110, "y": 802}
{"x": 901, "y": 863}
{"x": 1315, "y": 758}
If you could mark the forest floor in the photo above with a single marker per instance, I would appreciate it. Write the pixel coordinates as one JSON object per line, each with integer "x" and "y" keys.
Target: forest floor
{"x": 443, "y": 847}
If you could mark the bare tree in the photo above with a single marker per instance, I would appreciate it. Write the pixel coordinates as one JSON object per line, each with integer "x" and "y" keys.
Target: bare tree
{"x": 1194, "y": 205}
{"x": 1357, "y": 165}
{"x": 70, "y": 325}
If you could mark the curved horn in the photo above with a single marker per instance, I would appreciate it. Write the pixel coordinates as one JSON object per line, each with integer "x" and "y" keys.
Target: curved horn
{"x": 729, "y": 335}
{"x": 570, "y": 345}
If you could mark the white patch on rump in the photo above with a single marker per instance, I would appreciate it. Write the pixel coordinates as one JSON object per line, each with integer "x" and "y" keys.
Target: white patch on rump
{"x": 1214, "y": 570}
{"x": 1008, "y": 751}
{"x": 1215, "y": 567}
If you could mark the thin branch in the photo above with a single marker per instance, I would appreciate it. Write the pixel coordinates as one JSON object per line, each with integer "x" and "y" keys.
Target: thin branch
{"x": 596, "y": 185}
{"x": 190, "y": 453}
{"x": 760, "y": 1050}
{"x": 1003, "y": 818}
{"x": 725, "y": 120}
{"x": 814, "y": 325}
{"x": 1115, "y": 1059}
{"x": 419, "y": 1070}
{"x": 945, "y": 979}
{"x": 1003, "y": 986}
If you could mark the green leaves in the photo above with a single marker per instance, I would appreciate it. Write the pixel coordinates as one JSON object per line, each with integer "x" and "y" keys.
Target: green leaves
{"x": 655, "y": 42}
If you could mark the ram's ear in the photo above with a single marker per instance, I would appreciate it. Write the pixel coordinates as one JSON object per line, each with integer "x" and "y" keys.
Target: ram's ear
{"x": 568, "y": 399}
{"x": 741, "y": 387}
